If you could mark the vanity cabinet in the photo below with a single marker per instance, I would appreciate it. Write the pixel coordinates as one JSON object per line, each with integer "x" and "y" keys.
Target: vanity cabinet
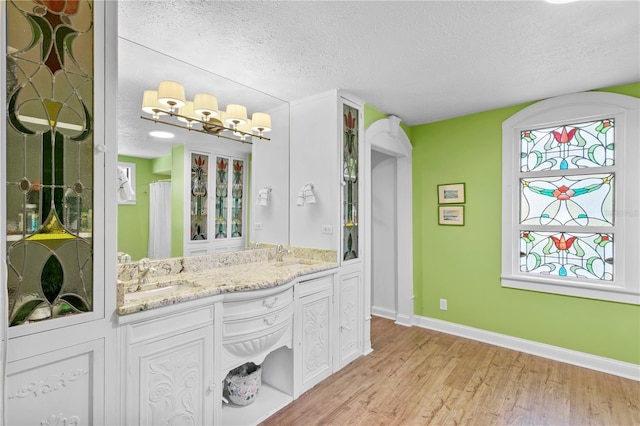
{"x": 257, "y": 326}
{"x": 169, "y": 358}
{"x": 314, "y": 332}
{"x": 349, "y": 315}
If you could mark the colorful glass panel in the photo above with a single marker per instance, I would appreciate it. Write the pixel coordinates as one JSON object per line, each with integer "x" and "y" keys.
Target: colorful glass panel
{"x": 350, "y": 178}
{"x": 199, "y": 193}
{"x": 49, "y": 196}
{"x": 589, "y": 144}
{"x": 237, "y": 194}
{"x": 222, "y": 192}
{"x": 579, "y": 200}
{"x": 561, "y": 254}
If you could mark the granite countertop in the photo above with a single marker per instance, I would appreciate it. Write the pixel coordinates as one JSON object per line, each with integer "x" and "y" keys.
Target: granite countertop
{"x": 184, "y": 286}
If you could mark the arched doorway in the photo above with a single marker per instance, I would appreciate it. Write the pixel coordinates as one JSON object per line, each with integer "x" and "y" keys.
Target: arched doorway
{"x": 387, "y": 144}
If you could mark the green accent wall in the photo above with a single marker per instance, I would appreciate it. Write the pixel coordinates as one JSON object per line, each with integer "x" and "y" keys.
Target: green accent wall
{"x": 177, "y": 200}
{"x": 133, "y": 220}
{"x": 462, "y": 264}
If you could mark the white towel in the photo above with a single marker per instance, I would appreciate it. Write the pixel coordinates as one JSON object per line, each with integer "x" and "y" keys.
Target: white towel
{"x": 300, "y": 198}
{"x": 125, "y": 191}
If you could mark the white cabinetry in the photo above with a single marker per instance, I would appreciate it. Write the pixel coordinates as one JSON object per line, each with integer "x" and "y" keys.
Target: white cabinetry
{"x": 314, "y": 332}
{"x": 349, "y": 314}
{"x": 61, "y": 387}
{"x": 257, "y": 327}
{"x": 169, "y": 366}
{"x": 327, "y": 136}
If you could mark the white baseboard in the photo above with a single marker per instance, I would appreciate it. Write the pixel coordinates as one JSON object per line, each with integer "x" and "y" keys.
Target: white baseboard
{"x": 581, "y": 359}
{"x": 383, "y": 312}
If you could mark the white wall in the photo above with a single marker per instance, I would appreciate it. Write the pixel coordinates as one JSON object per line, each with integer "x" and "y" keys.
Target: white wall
{"x": 314, "y": 159}
{"x": 383, "y": 250}
{"x": 270, "y": 167}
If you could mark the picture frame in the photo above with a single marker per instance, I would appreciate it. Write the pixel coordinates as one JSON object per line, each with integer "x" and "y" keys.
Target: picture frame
{"x": 451, "y": 215}
{"x": 451, "y": 193}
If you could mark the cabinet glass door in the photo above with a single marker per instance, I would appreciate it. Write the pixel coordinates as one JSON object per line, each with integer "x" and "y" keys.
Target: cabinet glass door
{"x": 49, "y": 159}
{"x": 350, "y": 176}
{"x": 230, "y": 175}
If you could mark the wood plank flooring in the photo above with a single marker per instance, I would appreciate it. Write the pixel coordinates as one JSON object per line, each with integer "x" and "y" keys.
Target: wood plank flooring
{"x": 422, "y": 377}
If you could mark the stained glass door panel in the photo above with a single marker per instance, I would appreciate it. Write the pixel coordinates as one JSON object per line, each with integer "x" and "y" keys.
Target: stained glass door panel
{"x": 237, "y": 198}
{"x": 49, "y": 151}
{"x": 222, "y": 194}
{"x": 199, "y": 196}
{"x": 350, "y": 174}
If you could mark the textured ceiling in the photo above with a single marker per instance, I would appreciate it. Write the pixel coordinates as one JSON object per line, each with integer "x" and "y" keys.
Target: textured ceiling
{"x": 422, "y": 61}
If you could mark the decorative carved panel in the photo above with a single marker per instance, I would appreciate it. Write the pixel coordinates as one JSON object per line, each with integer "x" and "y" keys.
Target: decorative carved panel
{"x": 174, "y": 386}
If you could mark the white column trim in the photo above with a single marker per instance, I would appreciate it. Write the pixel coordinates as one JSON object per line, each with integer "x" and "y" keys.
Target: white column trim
{"x": 388, "y": 137}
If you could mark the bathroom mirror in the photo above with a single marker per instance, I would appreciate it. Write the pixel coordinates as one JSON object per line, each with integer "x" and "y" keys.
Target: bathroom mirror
{"x": 267, "y": 162}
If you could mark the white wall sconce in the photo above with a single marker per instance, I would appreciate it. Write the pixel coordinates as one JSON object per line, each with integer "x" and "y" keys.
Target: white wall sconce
{"x": 263, "y": 196}
{"x": 306, "y": 195}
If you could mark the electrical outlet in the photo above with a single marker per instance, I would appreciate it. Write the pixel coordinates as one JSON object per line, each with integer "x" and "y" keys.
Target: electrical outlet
{"x": 443, "y": 304}
{"x": 327, "y": 229}
{"x": 258, "y": 226}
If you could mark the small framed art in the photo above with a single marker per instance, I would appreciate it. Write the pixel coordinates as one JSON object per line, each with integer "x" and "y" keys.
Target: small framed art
{"x": 451, "y": 215}
{"x": 451, "y": 193}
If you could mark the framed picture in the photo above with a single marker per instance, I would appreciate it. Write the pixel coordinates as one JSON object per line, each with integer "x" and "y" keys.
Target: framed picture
{"x": 451, "y": 193}
{"x": 451, "y": 215}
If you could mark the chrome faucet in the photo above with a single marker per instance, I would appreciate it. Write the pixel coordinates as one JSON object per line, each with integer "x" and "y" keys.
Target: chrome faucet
{"x": 280, "y": 252}
{"x": 144, "y": 268}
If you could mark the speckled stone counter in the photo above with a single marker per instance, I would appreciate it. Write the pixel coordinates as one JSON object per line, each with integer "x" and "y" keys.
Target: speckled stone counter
{"x": 177, "y": 280}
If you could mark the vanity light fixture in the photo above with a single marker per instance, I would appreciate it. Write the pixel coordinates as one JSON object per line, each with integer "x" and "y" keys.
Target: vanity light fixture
{"x": 202, "y": 114}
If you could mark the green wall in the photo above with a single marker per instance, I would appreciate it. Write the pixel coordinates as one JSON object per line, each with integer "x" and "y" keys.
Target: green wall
{"x": 133, "y": 220}
{"x": 462, "y": 264}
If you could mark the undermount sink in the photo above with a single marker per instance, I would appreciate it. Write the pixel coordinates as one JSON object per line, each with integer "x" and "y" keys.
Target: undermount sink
{"x": 156, "y": 290}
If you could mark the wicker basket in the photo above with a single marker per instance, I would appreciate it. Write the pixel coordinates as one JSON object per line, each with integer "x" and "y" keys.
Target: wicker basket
{"x": 242, "y": 384}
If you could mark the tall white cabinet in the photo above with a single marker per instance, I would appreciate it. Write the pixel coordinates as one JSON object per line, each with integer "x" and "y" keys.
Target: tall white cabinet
{"x": 60, "y": 343}
{"x": 324, "y": 128}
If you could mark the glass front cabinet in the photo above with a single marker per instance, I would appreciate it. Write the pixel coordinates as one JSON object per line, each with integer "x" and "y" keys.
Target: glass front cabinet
{"x": 53, "y": 158}
{"x": 216, "y": 198}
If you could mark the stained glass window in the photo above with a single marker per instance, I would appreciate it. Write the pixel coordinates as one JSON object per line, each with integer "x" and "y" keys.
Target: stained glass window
{"x": 199, "y": 193}
{"x": 582, "y": 200}
{"x": 222, "y": 192}
{"x": 589, "y": 144}
{"x": 570, "y": 173}
{"x": 578, "y": 255}
{"x": 350, "y": 165}
{"x": 49, "y": 151}
{"x": 562, "y": 203}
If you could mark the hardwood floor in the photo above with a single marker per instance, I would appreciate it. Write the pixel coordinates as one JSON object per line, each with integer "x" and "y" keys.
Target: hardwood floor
{"x": 421, "y": 377}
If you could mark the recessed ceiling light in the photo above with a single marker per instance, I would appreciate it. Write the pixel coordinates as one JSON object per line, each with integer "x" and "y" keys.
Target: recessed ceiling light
{"x": 161, "y": 134}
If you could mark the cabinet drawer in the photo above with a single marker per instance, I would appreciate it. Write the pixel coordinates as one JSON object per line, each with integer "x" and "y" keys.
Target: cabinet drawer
{"x": 256, "y": 324}
{"x": 257, "y": 306}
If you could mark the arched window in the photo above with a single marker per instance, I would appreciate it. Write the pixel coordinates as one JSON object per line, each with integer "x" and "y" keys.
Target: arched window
{"x": 570, "y": 208}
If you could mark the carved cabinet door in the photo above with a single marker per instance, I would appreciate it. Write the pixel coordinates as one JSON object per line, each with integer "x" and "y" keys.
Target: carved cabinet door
{"x": 315, "y": 344}
{"x": 349, "y": 315}
{"x": 174, "y": 380}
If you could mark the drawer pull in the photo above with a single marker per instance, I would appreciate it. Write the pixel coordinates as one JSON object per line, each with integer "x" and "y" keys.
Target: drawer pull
{"x": 271, "y": 321}
{"x": 269, "y": 305}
